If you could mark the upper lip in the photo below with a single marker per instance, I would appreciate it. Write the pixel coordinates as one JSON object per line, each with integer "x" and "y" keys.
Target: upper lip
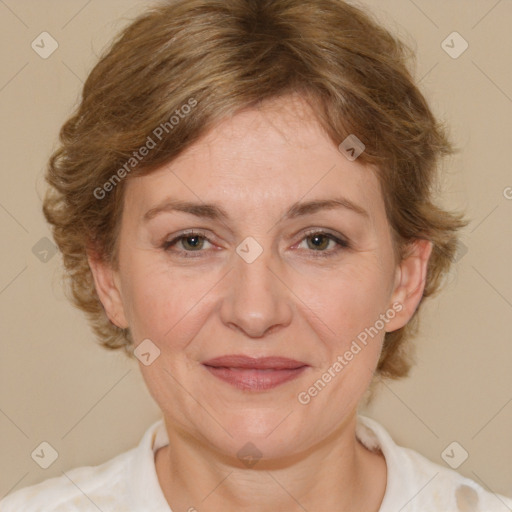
{"x": 257, "y": 363}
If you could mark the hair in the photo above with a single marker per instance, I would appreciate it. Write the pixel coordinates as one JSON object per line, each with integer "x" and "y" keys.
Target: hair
{"x": 202, "y": 61}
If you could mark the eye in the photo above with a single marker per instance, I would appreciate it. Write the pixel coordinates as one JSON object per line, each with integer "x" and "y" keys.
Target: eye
{"x": 191, "y": 241}
{"x": 319, "y": 241}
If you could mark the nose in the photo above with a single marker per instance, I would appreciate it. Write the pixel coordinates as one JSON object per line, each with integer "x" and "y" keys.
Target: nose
{"x": 257, "y": 301}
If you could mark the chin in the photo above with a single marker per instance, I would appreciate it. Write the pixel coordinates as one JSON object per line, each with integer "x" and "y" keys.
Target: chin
{"x": 265, "y": 432}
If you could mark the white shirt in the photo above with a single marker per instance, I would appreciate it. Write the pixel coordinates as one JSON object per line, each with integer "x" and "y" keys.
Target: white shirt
{"x": 128, "y": 482}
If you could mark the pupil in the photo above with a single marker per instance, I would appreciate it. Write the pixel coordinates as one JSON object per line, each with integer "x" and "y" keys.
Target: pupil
{"x": 193, "y": 244}
{"x": 316, "y": 239}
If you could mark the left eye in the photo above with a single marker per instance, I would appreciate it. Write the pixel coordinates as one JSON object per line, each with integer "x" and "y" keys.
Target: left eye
{"x": 319, "y": 241}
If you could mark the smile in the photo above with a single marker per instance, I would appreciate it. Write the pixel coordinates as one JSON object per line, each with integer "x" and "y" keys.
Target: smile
{"x": 255, "y": 374}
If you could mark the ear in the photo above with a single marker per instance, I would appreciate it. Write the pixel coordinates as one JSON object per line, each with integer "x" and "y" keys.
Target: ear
{"x": 410, "y": 279}
{"x": 107, "y": 283}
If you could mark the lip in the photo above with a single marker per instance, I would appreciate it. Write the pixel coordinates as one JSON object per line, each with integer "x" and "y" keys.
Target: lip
{"x": 255, "y": 373}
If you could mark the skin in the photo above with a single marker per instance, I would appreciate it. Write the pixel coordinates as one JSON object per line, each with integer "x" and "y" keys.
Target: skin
{"x": 285, "y": 303}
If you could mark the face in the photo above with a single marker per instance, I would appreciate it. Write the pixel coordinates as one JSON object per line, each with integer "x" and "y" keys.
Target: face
{"x": 269, "y": 272}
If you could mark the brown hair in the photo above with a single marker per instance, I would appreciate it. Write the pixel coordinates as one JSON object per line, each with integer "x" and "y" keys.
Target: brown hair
{"x": 221, "y": 56}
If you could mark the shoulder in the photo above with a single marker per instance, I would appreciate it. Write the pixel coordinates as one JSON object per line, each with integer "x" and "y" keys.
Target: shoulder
{"x": 417, "y": 484}
{"x": 439, "y": 486}
{"x": 82, "y": 488}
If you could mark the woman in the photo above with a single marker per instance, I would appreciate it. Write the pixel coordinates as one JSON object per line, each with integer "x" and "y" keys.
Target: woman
{"x": 243, "y": 203}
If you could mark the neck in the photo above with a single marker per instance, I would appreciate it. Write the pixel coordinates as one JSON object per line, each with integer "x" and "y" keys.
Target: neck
{"x": 339, "y": 474}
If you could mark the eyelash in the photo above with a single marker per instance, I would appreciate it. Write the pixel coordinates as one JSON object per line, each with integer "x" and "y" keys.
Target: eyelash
{"x": 341, "y": 243}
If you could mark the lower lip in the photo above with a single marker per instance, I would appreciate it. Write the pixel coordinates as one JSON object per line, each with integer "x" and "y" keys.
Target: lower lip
{"x": 253, "y": 379}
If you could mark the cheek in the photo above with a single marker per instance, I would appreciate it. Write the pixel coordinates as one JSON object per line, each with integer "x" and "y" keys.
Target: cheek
{"x": 347, "y": 318}
{"x": 346, "y": 300}
{"x": 163, "y": 305}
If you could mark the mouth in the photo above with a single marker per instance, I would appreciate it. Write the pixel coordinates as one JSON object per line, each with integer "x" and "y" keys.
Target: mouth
{"x": 255, "y": 374}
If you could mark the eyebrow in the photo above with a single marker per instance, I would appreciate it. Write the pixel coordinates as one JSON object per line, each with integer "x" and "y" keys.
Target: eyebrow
{"x": 215, "y": 212}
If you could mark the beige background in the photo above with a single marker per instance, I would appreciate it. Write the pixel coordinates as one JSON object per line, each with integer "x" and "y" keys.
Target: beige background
{"x": 57, "y": 385}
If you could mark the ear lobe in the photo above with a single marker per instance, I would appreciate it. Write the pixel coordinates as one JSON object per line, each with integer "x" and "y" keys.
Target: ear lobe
{"x": 108, "y": 288}
{"x": 410, "y": 282}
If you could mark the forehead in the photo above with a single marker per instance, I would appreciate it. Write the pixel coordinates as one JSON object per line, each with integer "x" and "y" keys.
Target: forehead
{"x": 274, "y": 155}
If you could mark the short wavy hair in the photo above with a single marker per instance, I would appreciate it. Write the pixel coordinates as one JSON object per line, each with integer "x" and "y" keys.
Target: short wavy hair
{"x": 223, "y": 56}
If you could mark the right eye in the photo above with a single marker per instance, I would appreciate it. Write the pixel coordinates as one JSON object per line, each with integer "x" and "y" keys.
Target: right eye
{"x": 191, "y": 241}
